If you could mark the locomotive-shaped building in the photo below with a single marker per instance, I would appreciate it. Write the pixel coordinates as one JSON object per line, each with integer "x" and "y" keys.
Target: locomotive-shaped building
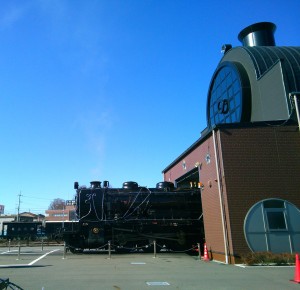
{"x": 247, "y": 160}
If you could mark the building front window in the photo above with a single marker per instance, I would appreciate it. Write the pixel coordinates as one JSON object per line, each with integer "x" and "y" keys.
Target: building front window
{"x": 59, "y": 214}
{"x": 229, "y": 95}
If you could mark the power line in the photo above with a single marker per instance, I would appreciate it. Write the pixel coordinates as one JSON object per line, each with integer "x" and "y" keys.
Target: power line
{"x": 38, "y": 197}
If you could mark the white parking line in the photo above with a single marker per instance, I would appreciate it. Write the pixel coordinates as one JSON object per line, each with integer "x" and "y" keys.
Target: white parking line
{"x": 8, "y": 252}
{"x": 27, "y": 265}
{"x": 41, "y": 257}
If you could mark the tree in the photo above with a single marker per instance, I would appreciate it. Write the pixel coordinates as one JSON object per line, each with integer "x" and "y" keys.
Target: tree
{"x": 57, "y": 203}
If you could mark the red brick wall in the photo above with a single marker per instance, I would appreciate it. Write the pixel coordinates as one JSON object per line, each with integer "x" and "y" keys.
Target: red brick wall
{"x": 259, "y": 163}
{"x": 255, "y": 163}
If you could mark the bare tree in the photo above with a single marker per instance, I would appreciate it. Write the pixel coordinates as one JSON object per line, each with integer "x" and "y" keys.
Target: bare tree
{"x": 57, "y": 203}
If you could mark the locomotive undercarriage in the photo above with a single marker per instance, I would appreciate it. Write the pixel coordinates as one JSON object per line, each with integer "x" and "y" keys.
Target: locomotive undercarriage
{"x": 127, "y": 236}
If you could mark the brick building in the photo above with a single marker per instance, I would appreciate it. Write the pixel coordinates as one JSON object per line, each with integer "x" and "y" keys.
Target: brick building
{"x": 247, "y": 160}
{"x": 66, "y": 214}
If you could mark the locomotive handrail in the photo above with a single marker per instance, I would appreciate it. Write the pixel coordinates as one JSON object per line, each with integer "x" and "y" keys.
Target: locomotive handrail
{"x": 145, "y": 219}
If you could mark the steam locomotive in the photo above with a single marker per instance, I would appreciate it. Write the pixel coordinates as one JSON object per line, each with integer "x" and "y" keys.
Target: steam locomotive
{"x": 134, "y": 216}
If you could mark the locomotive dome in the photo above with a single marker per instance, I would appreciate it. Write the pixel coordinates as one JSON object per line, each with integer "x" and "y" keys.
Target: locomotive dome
{"x": 254, "y": 82}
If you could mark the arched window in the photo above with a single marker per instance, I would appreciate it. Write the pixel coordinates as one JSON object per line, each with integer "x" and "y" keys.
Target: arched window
{"x": 229, "y": 95}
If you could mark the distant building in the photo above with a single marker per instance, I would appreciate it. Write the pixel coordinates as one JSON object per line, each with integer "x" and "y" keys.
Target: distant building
{"x": 30, "y": 217}
{"x": 66, "y": 214}
{"x": 1, "y": 209}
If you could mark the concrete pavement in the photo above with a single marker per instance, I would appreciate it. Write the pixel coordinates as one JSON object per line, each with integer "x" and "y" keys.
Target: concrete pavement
{"x": 49, "y": 269}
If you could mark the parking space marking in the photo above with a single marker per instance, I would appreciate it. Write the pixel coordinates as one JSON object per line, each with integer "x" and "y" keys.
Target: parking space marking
{"x": 8, "y": 252}
{"x": 31, "y": 263}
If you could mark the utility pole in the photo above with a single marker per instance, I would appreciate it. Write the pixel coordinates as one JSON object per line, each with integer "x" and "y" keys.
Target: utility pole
{"x": 18, "y": 217}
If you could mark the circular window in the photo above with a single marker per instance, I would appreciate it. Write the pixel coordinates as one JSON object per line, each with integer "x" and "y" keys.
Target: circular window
{"x": 273, "y": 225}
{"x": 229, "y": 95}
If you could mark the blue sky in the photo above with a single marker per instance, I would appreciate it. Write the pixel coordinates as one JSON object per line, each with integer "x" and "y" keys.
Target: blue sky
{"x": 110, "y": 89}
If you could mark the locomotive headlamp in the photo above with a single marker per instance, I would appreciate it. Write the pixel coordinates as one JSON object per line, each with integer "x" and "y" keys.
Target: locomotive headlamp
{"x": 95, "y": 230}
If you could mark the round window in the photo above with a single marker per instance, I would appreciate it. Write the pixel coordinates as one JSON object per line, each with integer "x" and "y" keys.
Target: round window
{"x": 273, "y": 225}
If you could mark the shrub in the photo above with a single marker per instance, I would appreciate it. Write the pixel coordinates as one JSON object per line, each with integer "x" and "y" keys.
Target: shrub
{"x": 268, "y": 258}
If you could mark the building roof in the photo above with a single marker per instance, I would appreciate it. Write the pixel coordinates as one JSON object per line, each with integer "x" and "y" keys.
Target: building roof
{"x": 265, "y": 57}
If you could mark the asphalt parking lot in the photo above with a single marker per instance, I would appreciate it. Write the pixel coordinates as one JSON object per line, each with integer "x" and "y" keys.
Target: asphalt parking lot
{"x": 34, "y": 268}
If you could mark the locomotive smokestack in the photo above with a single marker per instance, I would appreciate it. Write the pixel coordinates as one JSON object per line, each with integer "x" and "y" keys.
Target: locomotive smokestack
{"x": 258, "y": 34}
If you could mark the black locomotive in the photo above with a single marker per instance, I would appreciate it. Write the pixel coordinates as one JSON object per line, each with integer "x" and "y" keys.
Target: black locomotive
{"x": 135, "y": 216}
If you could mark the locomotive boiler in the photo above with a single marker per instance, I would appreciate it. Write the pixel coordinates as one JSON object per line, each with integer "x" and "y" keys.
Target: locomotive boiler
{"x": 134, "y": 216}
